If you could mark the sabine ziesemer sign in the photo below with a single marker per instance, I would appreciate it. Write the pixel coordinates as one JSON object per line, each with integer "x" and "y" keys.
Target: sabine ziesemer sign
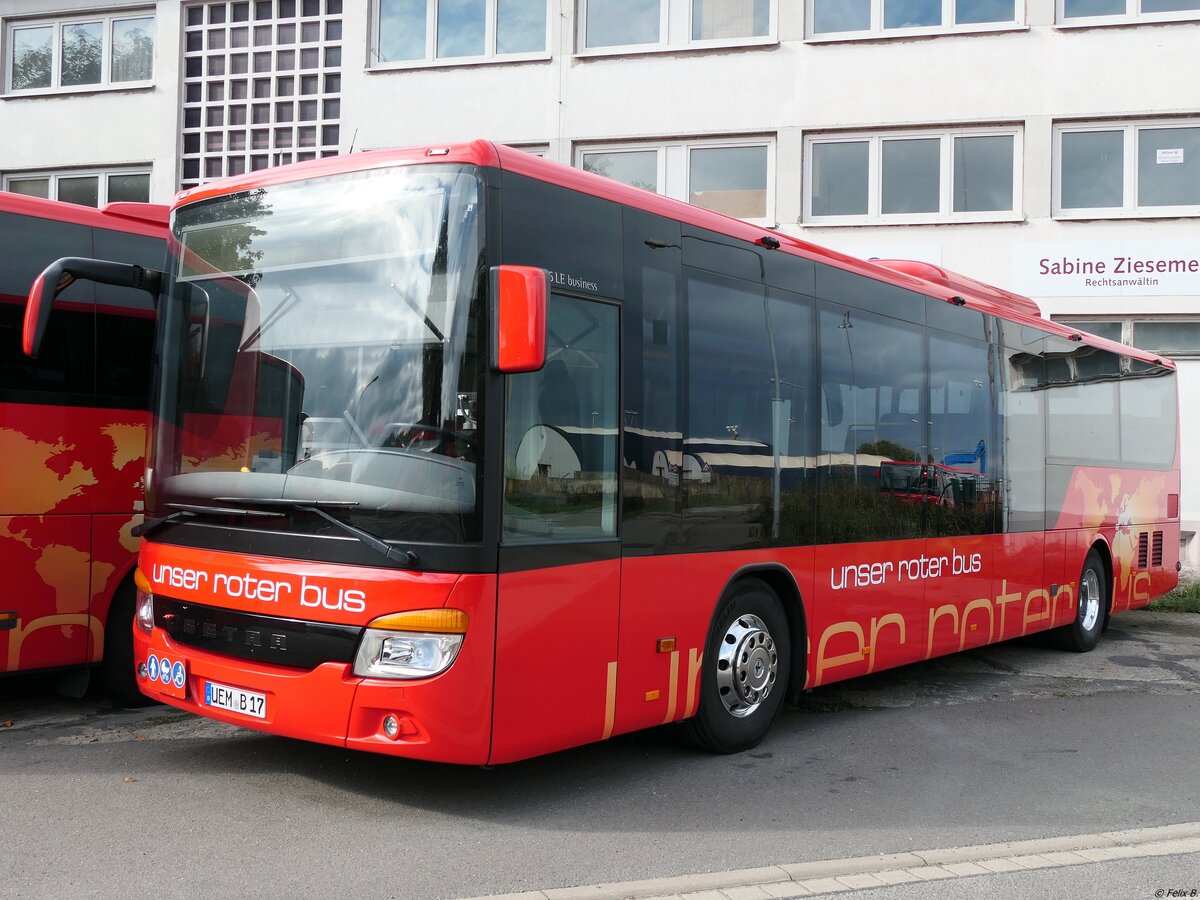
{"x": 1106, "y": 268}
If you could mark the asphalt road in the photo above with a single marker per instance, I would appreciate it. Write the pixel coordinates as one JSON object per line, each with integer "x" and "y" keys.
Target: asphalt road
{"x": 1012, "y": 742}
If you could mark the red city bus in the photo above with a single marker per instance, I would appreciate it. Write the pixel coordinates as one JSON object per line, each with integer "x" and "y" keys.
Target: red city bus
{"x": 404, "y": 485}
{"x": 73, "y": 435}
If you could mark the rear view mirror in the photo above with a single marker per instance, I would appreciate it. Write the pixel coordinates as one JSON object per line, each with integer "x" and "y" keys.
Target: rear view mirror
{"x": 518, "y": 318}
{"x": 60, "y": 275}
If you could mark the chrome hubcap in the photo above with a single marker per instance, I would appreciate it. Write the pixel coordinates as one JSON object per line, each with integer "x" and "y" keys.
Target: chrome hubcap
{"x": 747, "y": 665}
{"x": 1089, "y": 599}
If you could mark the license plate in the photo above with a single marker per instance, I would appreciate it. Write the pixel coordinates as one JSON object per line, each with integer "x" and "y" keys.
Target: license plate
{"x": 247, "y": 703}
{"x": 168, "y": 675}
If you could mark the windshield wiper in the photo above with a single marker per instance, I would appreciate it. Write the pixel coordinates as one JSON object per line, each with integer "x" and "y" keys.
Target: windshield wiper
{"x": 405, "y": 558}
{"x": 190, "y": 511}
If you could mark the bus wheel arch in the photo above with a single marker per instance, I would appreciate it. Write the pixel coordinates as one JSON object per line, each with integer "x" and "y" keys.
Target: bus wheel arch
{"x": 116, "y": 665}
{"x": 1100, "y": 548}
{"x": 748, "y": 666}
{"x": 1093, "y": 604}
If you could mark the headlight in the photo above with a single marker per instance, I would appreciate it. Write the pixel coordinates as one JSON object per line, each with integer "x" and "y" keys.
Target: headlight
{"x": 414, "y": 644}
{"x": 144, "y": 611}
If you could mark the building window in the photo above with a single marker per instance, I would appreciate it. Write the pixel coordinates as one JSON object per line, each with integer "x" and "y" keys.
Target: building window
{"x": 1174, "y": 338}
{"x": 262, "y": 85}
{"x": 842, "y": 19}
{"x": 100, "y": 51}
{"x": 912, "y": 177}
{"x": 633, "y": 25}
{"x": 416, "y": 32}
{"x": 1114, "y": 170}
{"x": 90, "y": 187}
{"x": 1122, "y": 12}
{"x": 730, "y": 177}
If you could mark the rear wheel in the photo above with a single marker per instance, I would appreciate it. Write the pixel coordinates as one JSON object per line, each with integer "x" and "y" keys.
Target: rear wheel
{"x": 1091, "y": 610}
{"x": 117, "y": 665}
{"x": 744, "y": 675}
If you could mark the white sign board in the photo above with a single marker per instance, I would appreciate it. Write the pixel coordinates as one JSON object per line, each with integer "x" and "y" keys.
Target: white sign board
{"x": 1106, "y": 268}
{"x": 1169, "y": 157}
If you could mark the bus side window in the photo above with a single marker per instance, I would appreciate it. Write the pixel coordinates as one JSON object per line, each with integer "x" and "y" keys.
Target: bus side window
{"x": 560, "y": 433}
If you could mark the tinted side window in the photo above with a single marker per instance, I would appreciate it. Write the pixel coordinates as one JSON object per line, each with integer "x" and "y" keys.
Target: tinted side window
{"x": 727, "y": 463}
{"x": 872, "y": 468}
{"x": 62, "y": 373}
{"x": 1022, "y": 401}
{"x": 961, "y": 436}
{"x": 560, "y": 431}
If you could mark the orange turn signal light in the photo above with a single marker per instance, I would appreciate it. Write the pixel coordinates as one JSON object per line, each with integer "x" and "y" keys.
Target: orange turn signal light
{"x": 435, "y": 621}
{"x": 665, "y": 645}
{"x": 141, "y": 581}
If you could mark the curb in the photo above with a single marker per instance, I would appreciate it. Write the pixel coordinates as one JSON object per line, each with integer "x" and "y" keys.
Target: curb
{"x": 808, "y": 878}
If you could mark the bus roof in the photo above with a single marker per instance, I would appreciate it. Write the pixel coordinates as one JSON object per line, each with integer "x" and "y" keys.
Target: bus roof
{"x": 933, "y": 281}
{"x": 148, "y": 219}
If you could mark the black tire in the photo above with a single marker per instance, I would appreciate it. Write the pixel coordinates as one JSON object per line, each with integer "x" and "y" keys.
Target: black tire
{"x": 1091, "y": 609}
{"x": 116, "y": 667}
{"x": 749, "y": 644}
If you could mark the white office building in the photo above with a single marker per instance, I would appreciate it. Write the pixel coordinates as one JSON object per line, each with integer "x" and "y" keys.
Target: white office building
{"x": 1051, "y": 147}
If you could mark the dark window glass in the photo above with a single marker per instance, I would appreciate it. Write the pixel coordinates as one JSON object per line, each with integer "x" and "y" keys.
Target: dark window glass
{"x": 561, "y": 426}
{"x": 727, "y": 462}
{"x": 872, "y": 420}
{"x": 791, "y": 336}
{"x": 960, "y": 486}
{"x": 1023, "y": 377}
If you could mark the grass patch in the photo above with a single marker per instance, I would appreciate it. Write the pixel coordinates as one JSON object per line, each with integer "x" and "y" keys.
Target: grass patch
{"x": 1185, "y": 598}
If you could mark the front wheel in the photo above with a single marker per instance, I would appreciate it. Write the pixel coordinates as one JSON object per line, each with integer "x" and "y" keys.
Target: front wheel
{"x": 744, "y": 675}
{"x": 117, "y": 666}
{"x": 1091, "y": 611}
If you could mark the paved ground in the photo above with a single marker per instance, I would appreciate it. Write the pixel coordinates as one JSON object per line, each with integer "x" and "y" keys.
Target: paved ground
{"x": 1013, "y": 742}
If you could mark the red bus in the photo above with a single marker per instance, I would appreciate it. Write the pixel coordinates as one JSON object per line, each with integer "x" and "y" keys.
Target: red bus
{"x": 73, "y": 438}
{"x": 403, "y": 497}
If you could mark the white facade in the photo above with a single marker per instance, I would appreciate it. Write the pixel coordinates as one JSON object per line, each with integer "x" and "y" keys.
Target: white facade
{"x": 783, "y": 90}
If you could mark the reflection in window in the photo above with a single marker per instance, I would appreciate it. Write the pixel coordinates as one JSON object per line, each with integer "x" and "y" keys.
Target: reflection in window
{"x": 84, "y": 54}
{"x": 833, "y": 16}
{"x": 462, "y": 29}
{"x": 132, "y": 49}
{"x": 32, "y": 58}
{"x": 560, "y": 436}
{"x": 872, "y": 418}
{"x": 638, "y": 168}
{"x": 911, "y": 13}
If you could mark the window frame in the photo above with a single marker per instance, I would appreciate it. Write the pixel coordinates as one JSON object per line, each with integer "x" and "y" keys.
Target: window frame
{"x": 876, "y": 31}
{"x": 945, "y": 213}
{"x": 1132, "y": 16}
{"x": 108, "y": 20}
{"x": 432, "y": 60}
{"x": 1129, "y": 324}
{"x": 1129, "y": 171}
{"x": 674, "y": 32}
{"x": 102, "y": 175}
{"x": 674, "y": 159}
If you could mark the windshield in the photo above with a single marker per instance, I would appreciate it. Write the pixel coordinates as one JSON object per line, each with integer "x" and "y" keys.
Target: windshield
{"x": 320, "y": 343}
